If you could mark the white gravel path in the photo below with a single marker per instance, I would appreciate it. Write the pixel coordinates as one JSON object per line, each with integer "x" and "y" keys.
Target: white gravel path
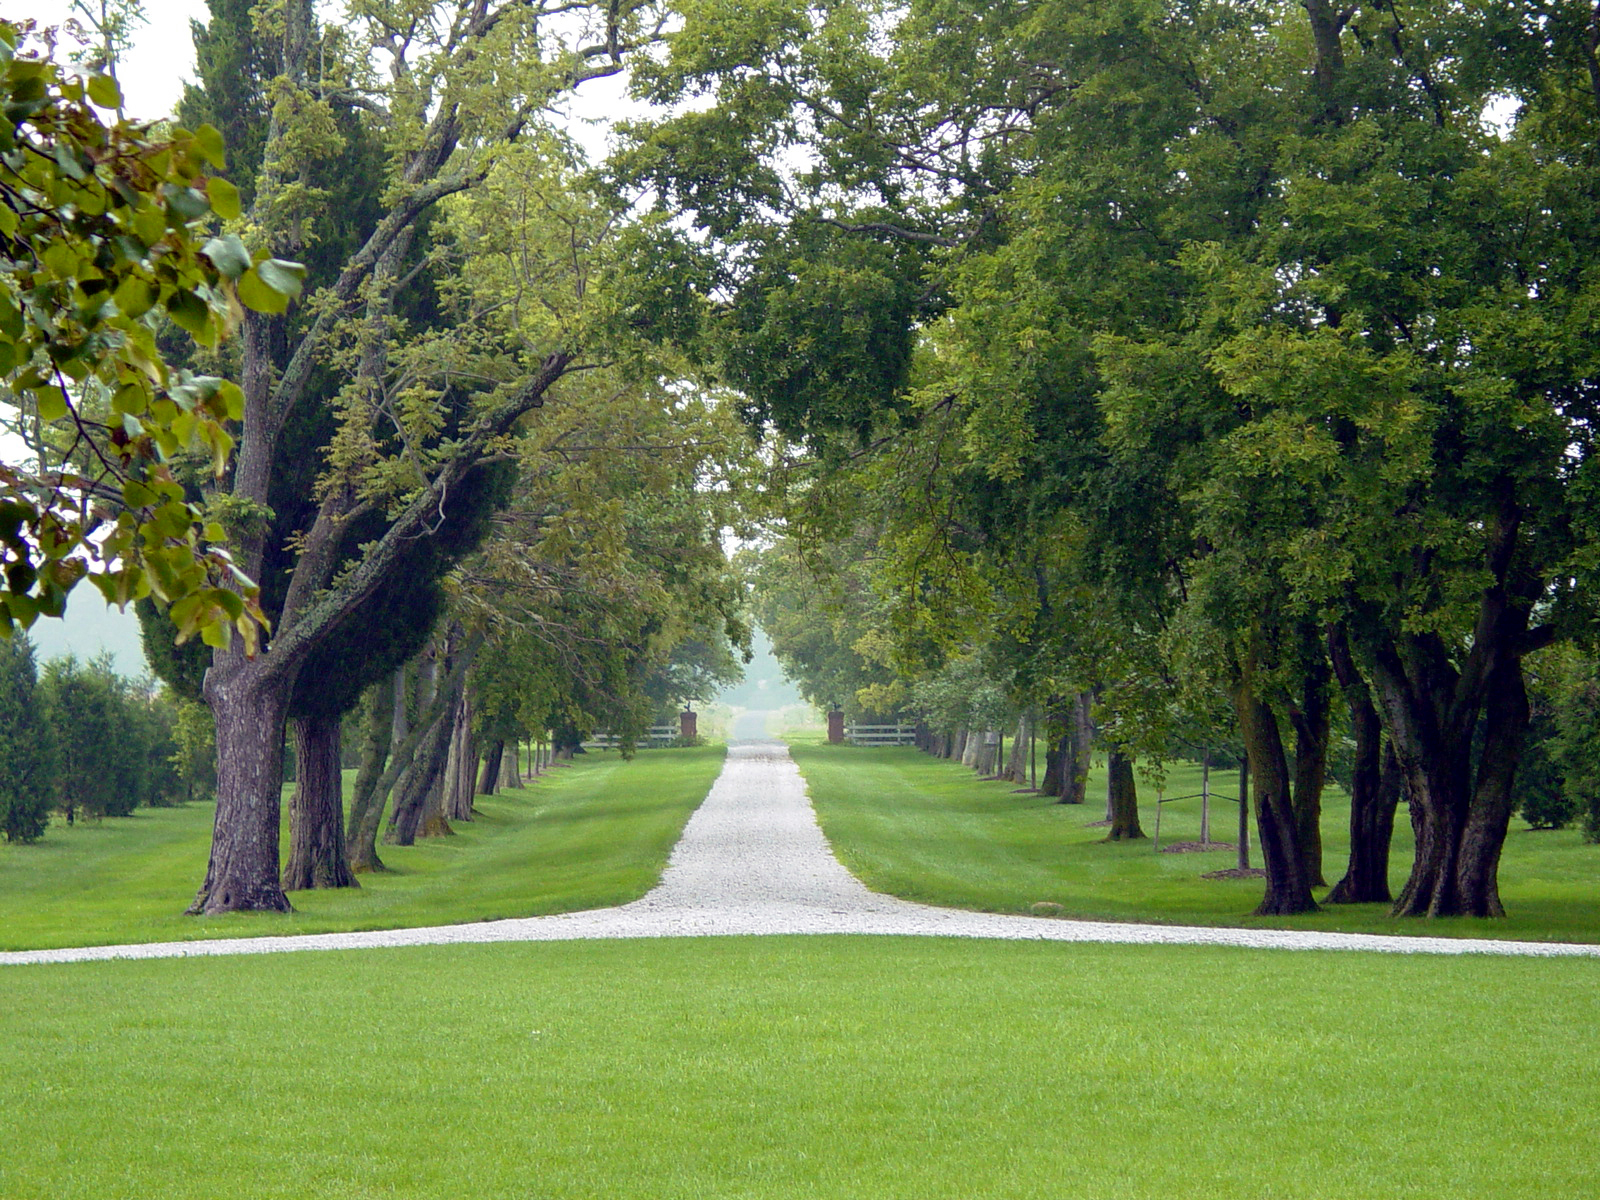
{"x": 752, "y": 860}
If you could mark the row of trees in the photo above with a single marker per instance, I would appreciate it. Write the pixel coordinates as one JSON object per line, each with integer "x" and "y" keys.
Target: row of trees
{"x": 1177, "y": 366}
{"x": 454, "y": 454}
{"x": 1225, "y": 366}
{"x": 78, "y": 739}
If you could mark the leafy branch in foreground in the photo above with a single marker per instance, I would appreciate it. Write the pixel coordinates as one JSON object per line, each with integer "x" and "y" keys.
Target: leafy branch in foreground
{"x": 101, "y": 237}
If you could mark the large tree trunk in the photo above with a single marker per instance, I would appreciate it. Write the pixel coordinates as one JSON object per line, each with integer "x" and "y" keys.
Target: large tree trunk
{"x": 1430, "y": 712}
{"x": 416, "y": 787}
{"x": 1310, "y": 720}
{"x": 511, "y": 765}
{"x": 491, "y": 768}
{"x": 1077, "y": 750}
{"x": 974, "y": 747}
{"x": 366, "y": 805}
{"x": 1374, "y": 787}
{"x": 1017, "y": 764}
{"x": 249, "y": 705}
{"x": 1055, "y": 759}
{"x": 462, "y": 760}
{"x": 1124, "y": 798}
{"x": 958, "y": 750}
{"x": 316, "y": 811}
{"x": 1288, "y": 886}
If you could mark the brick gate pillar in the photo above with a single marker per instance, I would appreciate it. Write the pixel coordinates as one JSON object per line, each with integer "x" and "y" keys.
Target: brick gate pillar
{"x": 835, "y": 727}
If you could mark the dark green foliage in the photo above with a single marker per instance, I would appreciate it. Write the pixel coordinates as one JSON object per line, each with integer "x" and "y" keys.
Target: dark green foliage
{"x": 1541, "y": 788}
{"x": 27, "y": 746}
{"x": 182, "y": 668}
{"x": 115, "y": 740}
{"x": 235, "y": 67}
{"x": 821, "y": 344}
{"x": 393, "y": 624}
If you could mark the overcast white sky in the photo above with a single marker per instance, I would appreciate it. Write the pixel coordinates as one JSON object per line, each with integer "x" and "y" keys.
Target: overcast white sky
{"x": 162, "y": 58}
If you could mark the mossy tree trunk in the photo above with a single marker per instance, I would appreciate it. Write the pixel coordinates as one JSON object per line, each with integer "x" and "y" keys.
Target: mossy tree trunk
{"x": 1288, "y": 886}
{"x": 249, "y": 707}
{"x": 1124, "y": 799}
{"x": 1310, "y": 718}
{"x": 317, "y": 857}
{"x": 1374, "y": 787}
{"x": 490, "y": 779}
{"x": 1077, "y": 750}
{"x": 366, "y": 804}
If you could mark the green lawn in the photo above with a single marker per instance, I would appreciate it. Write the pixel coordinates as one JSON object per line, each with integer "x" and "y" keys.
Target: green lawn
{"x": 858, "y": 1068}
{"x": 929, "y": 830}
{"x": 586, "y": 836}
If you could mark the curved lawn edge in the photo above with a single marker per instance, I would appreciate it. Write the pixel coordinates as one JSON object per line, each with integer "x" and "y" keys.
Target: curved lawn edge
{"x": 929, "y": 831}
{"x": 588, "y": 836}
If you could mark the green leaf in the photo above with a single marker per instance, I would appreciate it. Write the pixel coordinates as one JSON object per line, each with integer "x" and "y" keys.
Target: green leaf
{"x": 228, "y": 255}
{"x": 188, "y": 203}
{"x": 136, "y": 296}
{"x": 52, "y": 403}
{"x": 281, "y": 276}
{"x": 210, "y": 142}
{"x": 189, "y": 312}
{"x": 104, "y": 92}
{"x": 224, "y": 198}
{"x": 232, "y": 396}
{"x": 136, "y": 495}
{"x": 255, "y": 294}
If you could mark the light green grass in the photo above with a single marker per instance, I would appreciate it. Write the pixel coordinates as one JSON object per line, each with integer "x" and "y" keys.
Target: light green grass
{"x": 586, "y": 836}
{"x": 929, "y": 830}
{"x": 856, "y": 1068}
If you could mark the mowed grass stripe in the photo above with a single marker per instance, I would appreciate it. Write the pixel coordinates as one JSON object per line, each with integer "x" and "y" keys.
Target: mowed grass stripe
{"x": 587, "y": 836}
{"x": 802, "y": 1067}
{"x": 929, "y": 830}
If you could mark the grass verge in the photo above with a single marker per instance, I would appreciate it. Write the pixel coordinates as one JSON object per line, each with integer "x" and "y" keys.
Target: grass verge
{"x": 801, "y": 1067}
{"x": 591, "y": 835}
{"x": 929, "y": 830}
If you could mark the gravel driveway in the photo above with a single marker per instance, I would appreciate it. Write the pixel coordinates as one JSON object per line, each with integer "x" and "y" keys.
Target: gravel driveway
{"x": 752, "y": 860}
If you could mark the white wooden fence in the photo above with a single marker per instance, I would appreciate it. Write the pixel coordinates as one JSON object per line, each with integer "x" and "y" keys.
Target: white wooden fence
{"x": 655, "y": 736}
{"x": 882, "y": 735}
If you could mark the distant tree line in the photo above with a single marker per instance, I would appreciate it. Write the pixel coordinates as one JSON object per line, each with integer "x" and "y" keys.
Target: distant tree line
{"x": 79, "y": 740}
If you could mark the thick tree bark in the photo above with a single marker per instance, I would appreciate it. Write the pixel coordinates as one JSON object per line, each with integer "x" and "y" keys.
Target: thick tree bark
{"x": 1077, "y": 750}
{"x": 511, "y": 765}
{"x": 463, "y": 759}
{"x": 1431, "y": 711}
{"x": 1288, "y": 886}
{"x": 491, "y": 769}
{"x": 1310, "y": 719}
{"x": 1055, "y": 759}
{"x": 249, "y": 709}
{"x": 1124, "y": 796}
{"x": 1017, "y": 764}
{"x": 406, "y": 791}
{"x": 415, "y": 790}
{"x": 958, "y": 750}
{"x": 1374, "y": 787}
{"x": 366, "y": 805}
{"x": 317, "y": 856}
